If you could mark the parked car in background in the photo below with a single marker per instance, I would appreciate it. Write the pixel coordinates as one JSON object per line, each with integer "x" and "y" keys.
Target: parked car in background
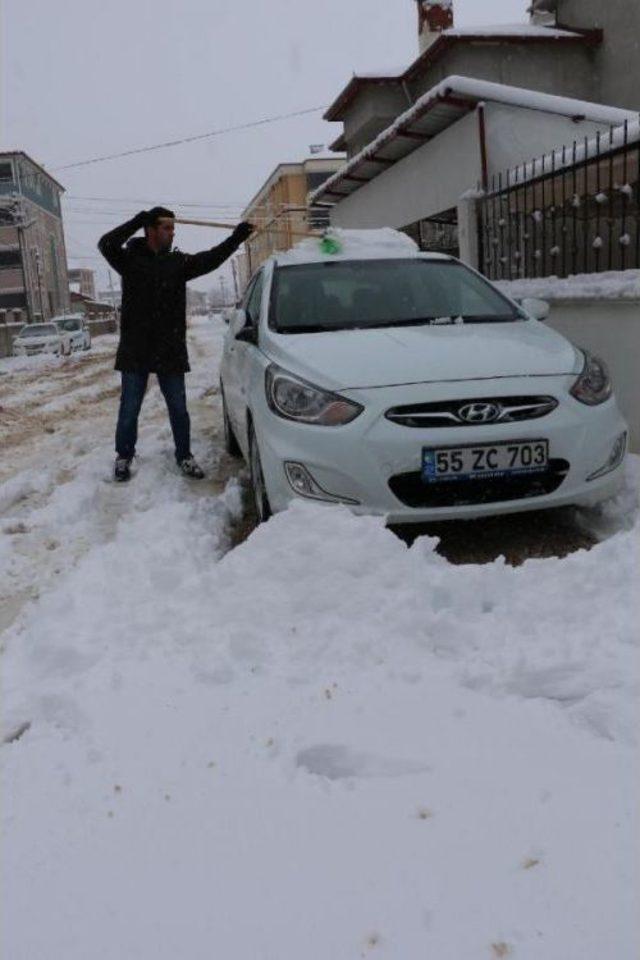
{"x": 405, "y": 384}
{"x": 75, "y": 325}
{"x": 36, "y": 338}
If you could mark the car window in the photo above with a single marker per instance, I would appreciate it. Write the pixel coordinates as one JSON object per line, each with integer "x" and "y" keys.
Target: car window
{"x": 39, "y": 330}
{"x": 255, "y": 299}
{"x": 358, "y": 294}
{"x": 69, "y": 324}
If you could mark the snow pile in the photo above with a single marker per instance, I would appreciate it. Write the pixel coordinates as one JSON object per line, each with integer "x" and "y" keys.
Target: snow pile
{"x": 352, "y": 245}
{"x": 609, "y": 285}
{"x": 320, "y": 744}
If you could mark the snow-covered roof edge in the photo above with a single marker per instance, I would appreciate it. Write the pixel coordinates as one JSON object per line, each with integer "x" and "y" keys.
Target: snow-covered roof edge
{"x": 480, "y": 91}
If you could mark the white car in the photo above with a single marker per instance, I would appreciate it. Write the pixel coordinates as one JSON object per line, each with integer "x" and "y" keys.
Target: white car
{"x": 36, "y": 338}
{"x": 76, "y": 327}
{"x": 405, "y": 384}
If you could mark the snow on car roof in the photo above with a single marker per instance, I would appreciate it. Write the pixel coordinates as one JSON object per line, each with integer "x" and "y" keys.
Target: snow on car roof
{"x": 383, "y": 243}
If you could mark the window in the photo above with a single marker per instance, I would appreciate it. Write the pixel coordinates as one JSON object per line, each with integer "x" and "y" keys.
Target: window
{"x": 6, "y": 172}
{"x": 255, "y": 298}
{"x": 352, "y": 294}
{"x": 10, "y": 258}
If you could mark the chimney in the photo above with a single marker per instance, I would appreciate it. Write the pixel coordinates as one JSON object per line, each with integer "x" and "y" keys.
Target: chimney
{"x": 543, "y": 13}
{"x": 434, "y": 16}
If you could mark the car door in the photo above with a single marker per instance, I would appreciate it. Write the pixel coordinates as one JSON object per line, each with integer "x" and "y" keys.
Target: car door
{"x": 239, "y": 352}
{"x": 228, "y": 371}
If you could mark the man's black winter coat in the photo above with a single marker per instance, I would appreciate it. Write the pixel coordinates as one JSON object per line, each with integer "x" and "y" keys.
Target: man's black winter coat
{"x": 153, "y": 319}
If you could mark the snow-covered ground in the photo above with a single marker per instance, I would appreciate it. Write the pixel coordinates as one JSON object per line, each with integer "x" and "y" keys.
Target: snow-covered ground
{"x": 320, "y": 744}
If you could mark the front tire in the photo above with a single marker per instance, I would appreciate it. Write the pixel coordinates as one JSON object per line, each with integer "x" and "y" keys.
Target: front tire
{"x": 258, "y": 486}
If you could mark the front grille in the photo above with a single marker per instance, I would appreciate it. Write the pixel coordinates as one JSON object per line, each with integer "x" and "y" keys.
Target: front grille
{"x": 411, "y": 490}
{"x": 446, "y": 413}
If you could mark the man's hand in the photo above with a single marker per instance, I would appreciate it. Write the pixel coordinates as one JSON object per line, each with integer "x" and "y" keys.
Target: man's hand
{"x": 243, "y": 231}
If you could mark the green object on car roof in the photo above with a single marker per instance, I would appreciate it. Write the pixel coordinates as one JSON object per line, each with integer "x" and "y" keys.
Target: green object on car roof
{"x": 330, "y": 245}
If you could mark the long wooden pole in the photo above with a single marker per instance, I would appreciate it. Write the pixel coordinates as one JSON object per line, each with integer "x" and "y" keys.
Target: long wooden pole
{"x": 232, "y": 226}
{"x": 207, "y": 223}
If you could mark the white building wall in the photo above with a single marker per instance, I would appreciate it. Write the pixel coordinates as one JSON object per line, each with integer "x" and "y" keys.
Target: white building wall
{"x": 428, "y": 181}
{"x": 516, "y": 135}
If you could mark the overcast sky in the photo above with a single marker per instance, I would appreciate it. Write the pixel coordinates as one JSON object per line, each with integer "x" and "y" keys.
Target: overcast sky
{"x": 84, "y": 78}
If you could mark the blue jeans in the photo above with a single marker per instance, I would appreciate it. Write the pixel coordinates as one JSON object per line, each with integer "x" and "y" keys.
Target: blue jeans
{"x": 134, "y": 386}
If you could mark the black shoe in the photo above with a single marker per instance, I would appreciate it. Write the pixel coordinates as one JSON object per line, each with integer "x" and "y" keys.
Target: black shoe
{"x": 122, "y": 469}
{"x": 190, "y": 468}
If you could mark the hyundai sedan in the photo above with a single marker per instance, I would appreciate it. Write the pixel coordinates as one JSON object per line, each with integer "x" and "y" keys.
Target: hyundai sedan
{"x": 405, "y": 384}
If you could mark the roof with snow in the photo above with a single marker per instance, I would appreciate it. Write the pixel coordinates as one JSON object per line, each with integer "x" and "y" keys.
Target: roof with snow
{"x": 438, "y": 109}
{"x": 505, "y": 33}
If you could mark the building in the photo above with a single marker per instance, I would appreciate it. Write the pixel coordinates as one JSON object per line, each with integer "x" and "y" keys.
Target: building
{"x": 281, "y": 212}
{"x": 33, "y": 262}
{"x": 582, "y": 49}
{"x": 92, "y": 309}
{"x": 112, "y": 296}
{"x": 196, "y": 302}
{"x": 82, "y": 280}
{"x": 460, "y": 136}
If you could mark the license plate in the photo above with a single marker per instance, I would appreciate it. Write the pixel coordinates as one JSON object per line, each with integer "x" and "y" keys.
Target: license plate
{"x": 485, "y": 460}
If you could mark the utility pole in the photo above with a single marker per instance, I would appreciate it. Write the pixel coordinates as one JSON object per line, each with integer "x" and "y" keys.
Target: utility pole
{"x": 38, "y": 260}
{"x": 113, "y": 298}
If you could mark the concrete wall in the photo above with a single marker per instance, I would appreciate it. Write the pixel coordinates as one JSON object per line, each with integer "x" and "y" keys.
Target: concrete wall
{"x": 514, "y": 134}
{"x": 616, "y": 63}
{"x": 8, "y": 333}
{"x": 562, "y": 70}
{"x": 371, "y": 112}
{"x": 611, "y": 329}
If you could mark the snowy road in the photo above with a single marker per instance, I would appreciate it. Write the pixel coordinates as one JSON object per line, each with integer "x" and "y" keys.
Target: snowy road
{"x": 321, "y": 744}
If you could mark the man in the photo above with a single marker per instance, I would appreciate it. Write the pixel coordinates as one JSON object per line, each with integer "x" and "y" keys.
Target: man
{"x": 153, "y": 324}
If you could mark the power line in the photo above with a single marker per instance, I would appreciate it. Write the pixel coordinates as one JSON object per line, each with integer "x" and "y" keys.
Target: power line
{"x": 178, "y": 203}
{"x": 193, "y": 139}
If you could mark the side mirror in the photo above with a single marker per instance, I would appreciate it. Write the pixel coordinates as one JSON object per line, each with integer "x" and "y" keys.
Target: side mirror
{"x": 536, "y": 308}
{"x": 248, "y": 334}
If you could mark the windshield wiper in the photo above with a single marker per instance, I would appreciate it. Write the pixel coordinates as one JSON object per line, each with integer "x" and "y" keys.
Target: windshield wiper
{"x": 489, "y": 318}
{"x": 303, "y": 328}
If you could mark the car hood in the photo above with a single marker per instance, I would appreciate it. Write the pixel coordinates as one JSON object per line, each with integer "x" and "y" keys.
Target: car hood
{"x": 351, "y": 359}
{"x": 35, "y": 341}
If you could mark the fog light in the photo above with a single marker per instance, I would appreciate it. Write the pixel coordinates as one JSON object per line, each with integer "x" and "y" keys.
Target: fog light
{"x": 616, "y": 457}
{"x": 301, "y": 481}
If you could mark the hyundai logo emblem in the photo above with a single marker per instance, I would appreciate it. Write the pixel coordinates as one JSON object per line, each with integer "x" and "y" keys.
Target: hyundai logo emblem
{"x": 479, "y": 412}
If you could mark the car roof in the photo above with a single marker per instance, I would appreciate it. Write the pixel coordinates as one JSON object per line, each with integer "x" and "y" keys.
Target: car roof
{"x": 344, "y": 245}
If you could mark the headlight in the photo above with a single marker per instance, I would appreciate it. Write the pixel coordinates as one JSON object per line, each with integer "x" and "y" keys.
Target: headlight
{"x": 593, "y": 386}
{"x": 296, "y": 399}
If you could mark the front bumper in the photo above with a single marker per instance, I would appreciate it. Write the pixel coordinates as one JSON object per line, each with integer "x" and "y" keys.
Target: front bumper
{"x": 363, "y": 460}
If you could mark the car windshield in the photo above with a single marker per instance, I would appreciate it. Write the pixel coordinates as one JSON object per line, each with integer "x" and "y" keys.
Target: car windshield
{"x": 39, "y": 330}
{"x": 361, "y": 294}
{"x": 68, "y": 323}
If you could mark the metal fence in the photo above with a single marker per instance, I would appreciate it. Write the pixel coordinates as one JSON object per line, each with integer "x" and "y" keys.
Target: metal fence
{"x": 572, "y": 211}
